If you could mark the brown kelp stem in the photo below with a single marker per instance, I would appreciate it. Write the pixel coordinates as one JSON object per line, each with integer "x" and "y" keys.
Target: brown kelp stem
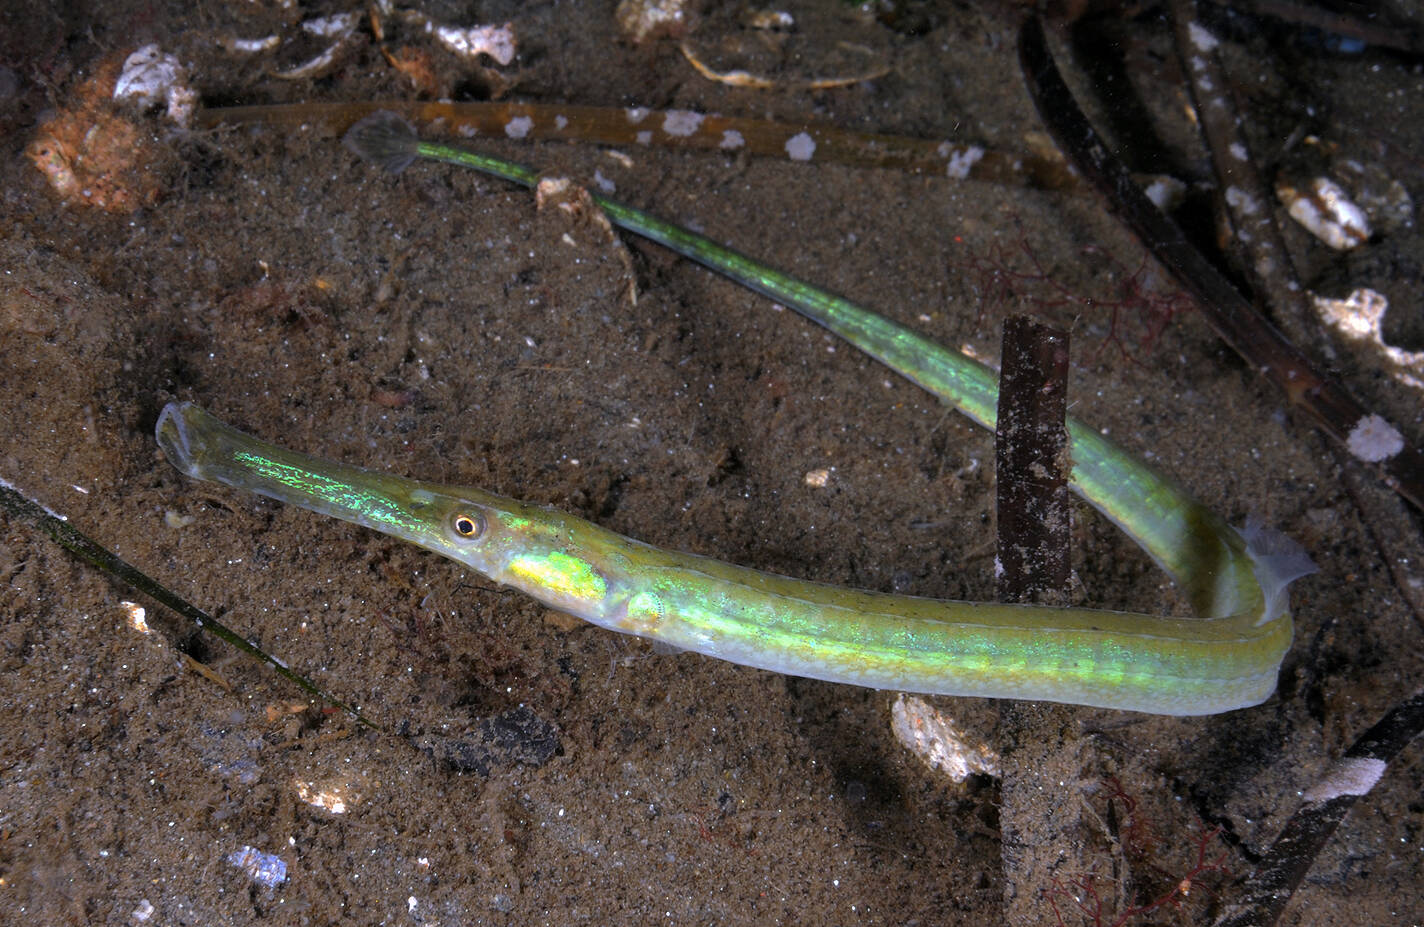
{"x": 684, "y": 129}
{"x": 1259, "y": 248}
{"x": 1031, "y": 464}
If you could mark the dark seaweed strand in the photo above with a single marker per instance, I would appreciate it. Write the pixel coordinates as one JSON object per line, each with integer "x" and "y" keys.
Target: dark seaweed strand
{"x": 1234, "y": 319}
{"x": 106, "y": 561}
{"x": 1270, "y": 886}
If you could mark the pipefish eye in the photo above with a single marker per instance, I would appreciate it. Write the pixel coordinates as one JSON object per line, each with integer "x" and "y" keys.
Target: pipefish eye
{"x": 467, "y": 525}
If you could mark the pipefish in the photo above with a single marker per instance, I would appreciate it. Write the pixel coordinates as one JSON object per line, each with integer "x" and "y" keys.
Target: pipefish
{"x": 1227, "y": 658}
{"x": 1081, "y": 656}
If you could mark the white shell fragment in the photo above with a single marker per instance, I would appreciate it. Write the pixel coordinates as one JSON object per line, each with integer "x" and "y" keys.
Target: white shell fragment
{"x": 1359, "y": 317}
{"x": 1325, "y": 210}
{"x": 266, "y": 869}
{"x": 147, "y": 75}
{"x": 332, "y": 798}
{"x": 151, "y": 77}
{"x": 240, "y": 46}
{"x": 641, "y": 20}
{"x": 337, "y": 26}
{"x": 496, "y": 41}
{"x": 1374, "y": 439}
{"x": 1166, "y": 193}
{"x": 933, "y": 738}
{"x": 340, "y": 28}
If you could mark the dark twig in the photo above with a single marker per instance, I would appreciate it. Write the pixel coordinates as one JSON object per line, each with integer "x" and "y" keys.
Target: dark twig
{"x": 106, "y": 561}
{"x": 1266, "y": 892}
{"x": 1378, "y": 29}
{"x": 1240, "y": 193}
{"x": 1031, "y": 464}
{"x": 1367, "y": 435}
{"x": 1030, "y": 455}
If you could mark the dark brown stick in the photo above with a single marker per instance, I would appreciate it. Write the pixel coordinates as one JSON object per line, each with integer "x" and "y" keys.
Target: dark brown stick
{"x": 1030, "y": 449}
{"x": 1030, "y": 459}
{"x": 1259, "y": 247}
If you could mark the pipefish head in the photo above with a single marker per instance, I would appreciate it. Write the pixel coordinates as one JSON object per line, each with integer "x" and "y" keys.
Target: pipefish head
{"x": 524, "y": 545}
{"x": 559, "y": 559}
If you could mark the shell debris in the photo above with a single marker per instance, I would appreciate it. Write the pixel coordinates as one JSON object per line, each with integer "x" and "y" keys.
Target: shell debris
{"x": 152, "y": 77}
{"x": 1325, "y": 210}
{"x": 936, "y": 740}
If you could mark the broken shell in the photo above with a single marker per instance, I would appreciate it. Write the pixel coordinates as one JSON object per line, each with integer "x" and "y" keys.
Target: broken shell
{"x": 239, "y": 46}
{"x": 340, "y": 28}
{"x": 1360, "y": 318}
{"x": 151, "y": 77}
{"x": 1325, "y": 210}
{"x": 937, "y": 741}
{"x": 336, "y": 26}
{"x": 496, "y": 41}
{"x": 641, "y": 20}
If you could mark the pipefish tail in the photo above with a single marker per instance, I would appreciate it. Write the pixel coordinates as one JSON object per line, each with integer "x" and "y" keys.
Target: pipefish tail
{"x": 1180, "y": 666}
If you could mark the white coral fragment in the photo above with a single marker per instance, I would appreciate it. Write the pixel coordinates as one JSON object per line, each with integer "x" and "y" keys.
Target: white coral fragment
{"x": 1360, "y": 317}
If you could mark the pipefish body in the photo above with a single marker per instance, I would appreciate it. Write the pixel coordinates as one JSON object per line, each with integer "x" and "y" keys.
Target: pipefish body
{"x": 1178, "y": 666}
